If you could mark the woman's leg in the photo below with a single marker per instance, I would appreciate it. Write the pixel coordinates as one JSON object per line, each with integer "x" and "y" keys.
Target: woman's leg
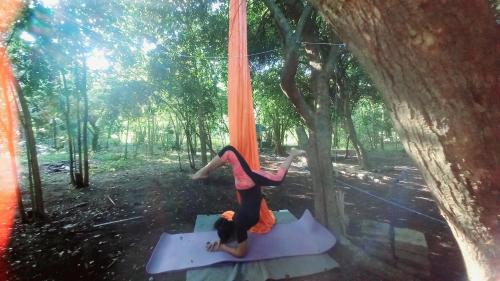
{"x": 269, "y": 179}
{"x": 210, "y": 167}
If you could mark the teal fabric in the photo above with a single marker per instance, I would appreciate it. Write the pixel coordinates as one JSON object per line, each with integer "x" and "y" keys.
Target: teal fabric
{"x": 286, "y": 267}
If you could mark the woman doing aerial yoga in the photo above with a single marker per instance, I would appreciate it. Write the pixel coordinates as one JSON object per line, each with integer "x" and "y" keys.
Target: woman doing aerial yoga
{"x": 248, "y": 184}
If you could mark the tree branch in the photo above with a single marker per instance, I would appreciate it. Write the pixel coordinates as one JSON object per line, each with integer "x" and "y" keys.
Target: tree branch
{"x": 280, "y": 18}
{"x": 289, "y": 71}
{"x": 302, "y": 22}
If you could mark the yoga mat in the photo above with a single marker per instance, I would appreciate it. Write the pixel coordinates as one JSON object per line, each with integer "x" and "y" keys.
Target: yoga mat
{"x": 187, "y": 250}
{"x": 263, "y": 270}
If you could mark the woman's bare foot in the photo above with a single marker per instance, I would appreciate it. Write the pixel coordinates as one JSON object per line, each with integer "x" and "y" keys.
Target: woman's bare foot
{"x": 297, "y": 152}
{"x": 199, "y": 175}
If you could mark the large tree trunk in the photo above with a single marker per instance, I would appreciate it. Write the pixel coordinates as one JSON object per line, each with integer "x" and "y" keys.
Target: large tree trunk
{"x": 436, "y": 64}
{"x": 38, "y": 208}
{"x": 328, "y": 201}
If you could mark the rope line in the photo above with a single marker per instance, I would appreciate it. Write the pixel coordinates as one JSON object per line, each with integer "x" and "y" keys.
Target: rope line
{"x": 392, "y": 202}
{"x": 264, "y": 52}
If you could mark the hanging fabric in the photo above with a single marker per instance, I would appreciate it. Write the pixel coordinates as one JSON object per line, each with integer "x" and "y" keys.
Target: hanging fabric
{"x": 242, "y": 133}
{"x": 8, "y": 164}
{"x": 242, "y": 130}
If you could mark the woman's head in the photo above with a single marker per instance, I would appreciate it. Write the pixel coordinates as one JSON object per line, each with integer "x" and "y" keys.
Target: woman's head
{"x": 225, "y": 229}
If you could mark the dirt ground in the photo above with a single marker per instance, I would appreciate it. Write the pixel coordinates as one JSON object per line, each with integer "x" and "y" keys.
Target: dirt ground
{"x": 160, "y": 198}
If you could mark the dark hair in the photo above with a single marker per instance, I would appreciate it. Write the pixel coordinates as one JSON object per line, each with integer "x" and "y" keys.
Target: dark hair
{"x": 225, "y": 229}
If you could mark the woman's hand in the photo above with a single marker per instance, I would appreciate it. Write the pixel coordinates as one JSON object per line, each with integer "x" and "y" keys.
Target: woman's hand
{"x": 214, "y": 246}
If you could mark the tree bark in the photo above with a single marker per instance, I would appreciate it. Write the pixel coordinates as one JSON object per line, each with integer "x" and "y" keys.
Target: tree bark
{"x": 436, "y": 64}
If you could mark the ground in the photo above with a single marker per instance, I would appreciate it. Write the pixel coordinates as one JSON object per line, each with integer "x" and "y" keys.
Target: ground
{"x": 159, "y": 197}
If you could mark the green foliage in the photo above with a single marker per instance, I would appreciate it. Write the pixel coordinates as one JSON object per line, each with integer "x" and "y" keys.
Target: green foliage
{"x": 160, "y": 66}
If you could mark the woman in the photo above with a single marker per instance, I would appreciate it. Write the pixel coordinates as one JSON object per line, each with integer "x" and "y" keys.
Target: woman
{"x": 248, "y": 184}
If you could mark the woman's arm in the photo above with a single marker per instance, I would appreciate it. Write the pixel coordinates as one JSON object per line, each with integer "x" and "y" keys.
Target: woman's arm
{"x": 238, "y": 251}
{"x": 289, "y": 159}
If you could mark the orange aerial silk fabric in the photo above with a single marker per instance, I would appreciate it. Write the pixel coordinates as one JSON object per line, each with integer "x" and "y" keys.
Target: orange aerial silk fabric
{"x": 266, "y": 219}
{"x": 242, "y": 131}
{"x": 8, "y": 165}
{"x": 8, "y": 137}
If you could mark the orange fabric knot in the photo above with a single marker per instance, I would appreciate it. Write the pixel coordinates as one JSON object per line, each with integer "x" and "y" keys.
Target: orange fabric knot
{"x": 266, "y": 219}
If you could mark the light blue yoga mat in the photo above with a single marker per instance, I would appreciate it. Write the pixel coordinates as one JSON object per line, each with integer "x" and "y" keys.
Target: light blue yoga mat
{"x": 288, "y": 238}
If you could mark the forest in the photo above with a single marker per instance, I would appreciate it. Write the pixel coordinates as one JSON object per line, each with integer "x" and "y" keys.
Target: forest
{"x": 119, "y": 102}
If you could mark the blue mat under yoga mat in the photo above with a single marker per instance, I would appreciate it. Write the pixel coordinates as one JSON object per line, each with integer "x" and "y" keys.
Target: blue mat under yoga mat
{"x": 182, "y": 251}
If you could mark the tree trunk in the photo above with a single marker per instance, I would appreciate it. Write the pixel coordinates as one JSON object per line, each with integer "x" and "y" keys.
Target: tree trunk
{"x": 30, "y": 180}
{"x": 301, "y": 136}
{"x": 348, "y": 140}
{"x": 278, "y": 137}
{"x": 353, "y": 136}
{"x": 20, "y": 205}
{"x": 68, "y": 131}
{"x": 190, "y": 147}
{"x": 126, "y": 138}
{"x": 437, "y": 74}
{"x": 54, "y": 133}
{"x": 95, "y": 135}
{"x": 152, "y": 136}
{"x": 210, "y": 144}
{"x": 86, "y": 171}
{"x": 203, "y": 136}
{"x": 38, "y": 208}
{"x": 336, "y": 134}
{"x": 137, "y": 140}
{"x": 79, "y": 175}
{"x": 326, "y": 205}
{"x": 108, "y": 136}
